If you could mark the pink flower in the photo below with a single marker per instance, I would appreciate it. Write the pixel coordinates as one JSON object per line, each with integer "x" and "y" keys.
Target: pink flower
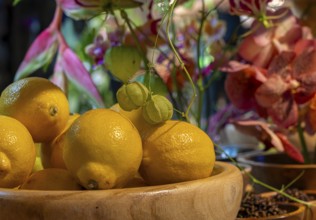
{"x": 261, "y": 46}
{"x": 97, "y": 49}
{"x": 248, "y": 7}
{"x": 270, "y": 136}
{"x": 241, "y": 84}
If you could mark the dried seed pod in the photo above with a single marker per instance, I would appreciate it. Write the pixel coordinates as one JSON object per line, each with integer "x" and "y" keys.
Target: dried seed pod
{"x": 123, "y": 62}
{"x": 132, "y": 96}
{"x": 158, "y": 109}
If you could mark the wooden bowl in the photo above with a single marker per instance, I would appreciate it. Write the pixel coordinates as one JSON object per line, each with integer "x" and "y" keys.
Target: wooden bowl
{"x": 216, "y": 197}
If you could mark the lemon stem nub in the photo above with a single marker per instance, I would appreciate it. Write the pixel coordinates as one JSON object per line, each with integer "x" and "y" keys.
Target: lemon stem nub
{"x": 5, "y": 165}
{"x": 92, "y": 184}
{"x": 53, "y": 110}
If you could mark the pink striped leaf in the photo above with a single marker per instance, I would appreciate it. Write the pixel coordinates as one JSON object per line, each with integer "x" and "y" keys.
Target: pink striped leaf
{"x": 78, "y": 74}
{"x": 40, "y": 53}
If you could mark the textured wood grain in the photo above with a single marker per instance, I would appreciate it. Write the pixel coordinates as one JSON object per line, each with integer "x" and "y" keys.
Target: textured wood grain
{"x": 215, "y": 198}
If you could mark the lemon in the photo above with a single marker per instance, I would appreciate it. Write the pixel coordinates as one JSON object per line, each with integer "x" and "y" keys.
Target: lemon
{"x": 17, "y": 152}
{"x": 51, "y": 179}
{"x": 52, "y": 152}
{"x": 102, "y": 149}
{"x": 176, "y": 151}
{"x": 136, "y": 117}
{"x": 39, "y": 104}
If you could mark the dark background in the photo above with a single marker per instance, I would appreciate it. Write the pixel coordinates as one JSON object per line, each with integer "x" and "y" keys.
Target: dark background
{"x": 19, "y": 25}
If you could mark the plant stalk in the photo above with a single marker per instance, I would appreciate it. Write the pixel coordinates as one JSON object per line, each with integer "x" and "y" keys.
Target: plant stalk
{"x": 300, "y": 132}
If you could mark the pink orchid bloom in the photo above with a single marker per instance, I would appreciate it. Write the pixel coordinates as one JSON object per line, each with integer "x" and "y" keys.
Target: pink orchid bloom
{"x": 310, "y": 116}
{"x": 97, "y": 49}
{"x": 256, "y": 8}
{"x": 291, "y": 81}
{"x": 269, "y": 137}
{"x": 241, "y": 83}
{"x": 85, "y": 9}
{"x": 77, "y": 73}
{"x": 261, "y": 46}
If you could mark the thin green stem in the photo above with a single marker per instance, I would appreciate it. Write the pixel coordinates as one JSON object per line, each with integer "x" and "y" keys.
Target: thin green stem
{"x": 200, "y": 83}
{"x": 300, "y": 132}
{"x": 180, "y": 61}
{"x": 126, "y": 19}
{"x": 200, "y": 77}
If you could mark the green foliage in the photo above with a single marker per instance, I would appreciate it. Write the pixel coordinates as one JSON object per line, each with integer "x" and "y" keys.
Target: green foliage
{"x": 15, "y": 2}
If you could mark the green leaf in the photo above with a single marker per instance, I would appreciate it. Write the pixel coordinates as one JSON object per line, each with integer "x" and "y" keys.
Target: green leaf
{"x": 15, "y": 2}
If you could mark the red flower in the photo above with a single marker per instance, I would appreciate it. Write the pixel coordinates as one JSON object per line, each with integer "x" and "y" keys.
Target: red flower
{"x": 241, "y": 84}
{"x": 248, "y": 7}
{"x": 262, "y": 45}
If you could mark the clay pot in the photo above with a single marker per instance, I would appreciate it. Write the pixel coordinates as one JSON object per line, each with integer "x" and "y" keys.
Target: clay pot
{"x": 277, "y": 170}
{"x": 215, "y": 197}
{"x": 310, "y": 212}
{"x": 294, "y": 212}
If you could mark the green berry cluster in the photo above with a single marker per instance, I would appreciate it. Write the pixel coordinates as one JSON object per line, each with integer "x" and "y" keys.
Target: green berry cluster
{"x": 155, "y": 108}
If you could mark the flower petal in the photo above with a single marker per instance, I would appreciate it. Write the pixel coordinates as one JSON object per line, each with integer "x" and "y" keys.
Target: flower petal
{"x": 271, "y": 91}
{"x": 281, "y": 64}
{"x": 262, "y": 131}
{"x": 284, "y": 112}
{"x": 240, "y": 86}
{"x": 290, "y": 149}
{"x": 77, "y": 73}
{"x": 40, "y": 53}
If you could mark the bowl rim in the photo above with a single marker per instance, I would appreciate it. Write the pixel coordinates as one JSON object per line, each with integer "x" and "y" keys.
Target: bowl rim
{"x": 247, "y": 159}
{"x": 225, "y": 169}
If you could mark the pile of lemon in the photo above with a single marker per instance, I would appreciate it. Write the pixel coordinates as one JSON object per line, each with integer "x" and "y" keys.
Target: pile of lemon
{"x": 45, "y": 147}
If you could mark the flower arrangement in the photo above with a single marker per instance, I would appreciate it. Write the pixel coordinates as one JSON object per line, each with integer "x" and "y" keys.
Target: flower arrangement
{"x": 274, "y": 77}
{"x": 182, "y": 55}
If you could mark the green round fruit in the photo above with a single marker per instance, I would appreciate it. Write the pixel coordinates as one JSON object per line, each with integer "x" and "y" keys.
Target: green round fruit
{"x": 132, "y": 96}
{"x": 123, "y": 62}
{"x": 158, "y": 109}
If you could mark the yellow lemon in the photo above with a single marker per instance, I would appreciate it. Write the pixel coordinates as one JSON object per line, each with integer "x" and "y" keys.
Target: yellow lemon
{"x": 102, "y": 149}
{"x": 39, "y": 104}
{"x": 52, "y": 152}
{"x": 51, "y": 179}
{"x": 17, "y": 152}
{"x": 176, "y": 151}
{"x": 136, "y": 117}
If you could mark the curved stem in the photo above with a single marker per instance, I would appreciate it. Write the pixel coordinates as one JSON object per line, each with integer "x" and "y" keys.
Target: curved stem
{"x": 180, "y": 61}
{"x": 126, "y": 19}
{"x": 56, "y": 22}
